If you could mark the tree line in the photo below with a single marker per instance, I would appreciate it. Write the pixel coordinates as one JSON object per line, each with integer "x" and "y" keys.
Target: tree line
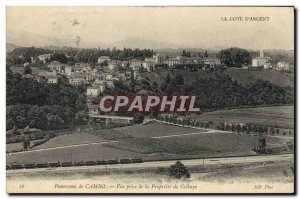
{"x": 73, "y": 55}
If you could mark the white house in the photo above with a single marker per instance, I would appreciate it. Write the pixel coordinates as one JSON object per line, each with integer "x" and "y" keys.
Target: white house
{"x": 148, "y": 65}
{"x": 77, "y": 79}
{"x": 68, "y": 70}
{"x": 110, "y": 84}
{"x": 283, "y": 65}
{"x": 261, "y": 61}
{"x": 92, "y": 91}
{"x": 103, "y": 59}
{"x": 113, "y": 64}
{"x": 44, "y": 57}
{"x": 52, "y": 79}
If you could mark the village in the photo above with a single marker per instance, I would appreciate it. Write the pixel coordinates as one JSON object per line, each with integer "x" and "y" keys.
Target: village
{"x": 106, "y": 71}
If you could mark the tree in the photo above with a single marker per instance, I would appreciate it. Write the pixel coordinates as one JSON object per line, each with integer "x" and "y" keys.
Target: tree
{"x": 27, "y": 70}
{"x": 59, "y": 57}
{"x": 205, "y": 54}
{"x": 178, "y": 171}
{"x": 234, "y": 57}
{"x": 138, "y": 118}
{"x": 272, "y": 130}
{"x": 26, "y": 144}
{"x": 168, "y": 78}
{"x": 179, "y": 79}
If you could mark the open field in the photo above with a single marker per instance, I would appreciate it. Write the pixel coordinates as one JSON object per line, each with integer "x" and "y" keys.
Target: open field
{"x": 87, "y": 152}
{"x": 153, "y": 130}
{"x": 278, "y": 116}
{"x": 229, "y": 144}
{"x": 18, "y": 146}
{"x": 155, "y": 141}
{"x": 248, "y": 76}
{"x": 69, "y": 139}
{"x": 14, "y": 146}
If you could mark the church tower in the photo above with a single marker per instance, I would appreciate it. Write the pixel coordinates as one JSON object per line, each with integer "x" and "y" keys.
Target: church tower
{"x": 262, "y": 53}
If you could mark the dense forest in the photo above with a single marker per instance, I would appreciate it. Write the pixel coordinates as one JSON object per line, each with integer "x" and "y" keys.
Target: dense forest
{"x": 44, "y": 106}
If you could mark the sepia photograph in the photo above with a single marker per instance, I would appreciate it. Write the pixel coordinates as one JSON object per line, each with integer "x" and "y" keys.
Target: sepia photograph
{"x": 150, "y": 100}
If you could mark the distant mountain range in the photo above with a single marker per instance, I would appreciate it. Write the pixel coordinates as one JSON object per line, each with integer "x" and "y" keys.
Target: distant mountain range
{"x": 143, "y": 43}
{"x": 26, "y": 39}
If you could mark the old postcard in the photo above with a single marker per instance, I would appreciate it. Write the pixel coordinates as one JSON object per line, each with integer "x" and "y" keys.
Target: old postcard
{"x": 150, "y": 100}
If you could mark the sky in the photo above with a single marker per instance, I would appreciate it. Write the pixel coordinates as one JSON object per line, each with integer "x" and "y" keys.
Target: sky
{"x": 183, "y": 26}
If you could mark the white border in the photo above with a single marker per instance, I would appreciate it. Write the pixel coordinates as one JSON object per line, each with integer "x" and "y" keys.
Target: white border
{"x": 3, "y": 5}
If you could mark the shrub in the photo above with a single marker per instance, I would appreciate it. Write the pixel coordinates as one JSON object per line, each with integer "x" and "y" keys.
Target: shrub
{"x": 178, "y": 171}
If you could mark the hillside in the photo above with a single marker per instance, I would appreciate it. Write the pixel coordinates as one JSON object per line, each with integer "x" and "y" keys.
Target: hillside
{"x": 242, "y": 76}
{"x": 10, "y": 47}
{"x": 275, "y": 77}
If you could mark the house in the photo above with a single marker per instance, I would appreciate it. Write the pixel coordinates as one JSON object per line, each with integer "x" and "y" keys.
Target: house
{"x": 28, "y": 76}
{"x": 78, "y": 70}
{"x": 122, "y": 76}
{"x": 125, "y": 63}
{"x": 109, "y": 77}
{"x": 46, "y": 73}
{"x": 211, "y": 62}
{"x": 94, "y": 72}
{"x": 261, "y": 61}
{"x": 56, "y": 66}
{"x": 283, "y": 66}
{"x": 45, "y": 57}
{"x": 158, "y": 59}
{"x": 89, "y": 77}
{"x": 136, "y": 74}
{"x": 148, "y": 65}
{"x": 77, "y": 79}
{"x": 34, "y": 70}
{"x": 86, "y": 69}
{"x": 68, "y": 70}
{"x": 113, "y": 64}
{"x": 26, "y": 64}
{"x": 93, "y": 109}
{"x": 17, "y": 70}
{"x": 52, "y": 79}
{"x": 110, "y": 83}
{"x": 103, "y": 59}
{"x": 172, "y": 61}
{"x": 92, "y": 91}
{"x": 99, "y": 84}
{"x": 151, "y": 59}
{"x": 136, "y": 63}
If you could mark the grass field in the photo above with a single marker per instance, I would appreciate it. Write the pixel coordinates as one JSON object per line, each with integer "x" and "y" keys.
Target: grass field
{"x": 279, "y": 116}
{"x": 231, "y": 144}
{"x": 136, "y": 141}
{"x": 248, "y": 76}
{"x": 88, "y": 152}
{"x": 18, "y": 146}
{"x": 69, "y": 139}
{"x": 153, "y": 130}
{"x": 14, "y": 146}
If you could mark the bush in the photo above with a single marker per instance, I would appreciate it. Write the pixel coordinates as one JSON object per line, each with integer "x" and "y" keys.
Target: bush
{"x": 178, "y": 171}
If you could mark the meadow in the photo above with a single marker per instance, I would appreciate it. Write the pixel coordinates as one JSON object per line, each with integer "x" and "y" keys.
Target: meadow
{"x": 278, "y": 116}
